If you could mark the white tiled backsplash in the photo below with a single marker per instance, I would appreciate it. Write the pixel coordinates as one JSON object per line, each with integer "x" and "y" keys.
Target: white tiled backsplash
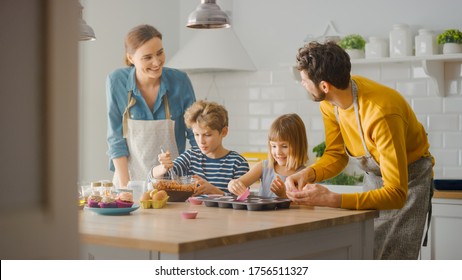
{"x": 255, "y": 99}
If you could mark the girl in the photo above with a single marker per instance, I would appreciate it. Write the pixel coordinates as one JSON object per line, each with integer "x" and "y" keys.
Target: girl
{"x": 287, "y": 154}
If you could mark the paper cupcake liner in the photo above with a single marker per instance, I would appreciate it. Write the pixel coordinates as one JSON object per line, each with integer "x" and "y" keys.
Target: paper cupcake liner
{"x": 124, "y": 204}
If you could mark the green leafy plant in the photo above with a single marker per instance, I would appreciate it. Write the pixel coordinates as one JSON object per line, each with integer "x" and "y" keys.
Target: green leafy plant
{"x": 345, "y": 179}
{"x": 319, "y": 149}
{"x": 450, "y": 36}
{"x": 352, "y": 41}
{"x": 342, "y": 178}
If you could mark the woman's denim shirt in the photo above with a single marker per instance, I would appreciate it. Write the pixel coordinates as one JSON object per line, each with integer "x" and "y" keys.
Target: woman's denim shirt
{"x": 174, "y": 83}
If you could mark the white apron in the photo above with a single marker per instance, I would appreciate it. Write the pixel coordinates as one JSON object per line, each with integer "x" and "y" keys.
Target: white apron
{"x": 144, "y": 139}
{"x": 398, "y": 232}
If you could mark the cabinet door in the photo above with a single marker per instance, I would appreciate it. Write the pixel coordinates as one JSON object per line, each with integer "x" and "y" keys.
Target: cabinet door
{"x": 99, "y": 252}
{"x": 444, "y": 236}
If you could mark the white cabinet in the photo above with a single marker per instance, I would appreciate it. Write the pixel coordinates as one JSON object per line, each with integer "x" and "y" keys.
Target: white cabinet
{"x": 444, "y": 236}
{"x": 101, "y": 252}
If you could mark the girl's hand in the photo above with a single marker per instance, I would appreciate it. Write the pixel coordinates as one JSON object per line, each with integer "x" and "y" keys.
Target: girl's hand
{"x": 236, "y": 187}
{"x": 165, "y": 161}
{"x": 278, "y": 187}
{"x": 204, "y": 187}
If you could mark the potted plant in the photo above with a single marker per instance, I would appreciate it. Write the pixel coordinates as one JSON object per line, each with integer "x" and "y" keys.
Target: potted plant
{"x": 342, "y": 178}
{"x": 354, "y": 45}
{"x": 319, "y": 149}
{"x": 451, "y": 39}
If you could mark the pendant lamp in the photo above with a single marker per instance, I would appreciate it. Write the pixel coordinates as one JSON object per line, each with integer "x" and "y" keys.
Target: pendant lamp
{"x": 86, "y": 32}
{"x": 213, "y": 50}
{"x": 208, "y": 15}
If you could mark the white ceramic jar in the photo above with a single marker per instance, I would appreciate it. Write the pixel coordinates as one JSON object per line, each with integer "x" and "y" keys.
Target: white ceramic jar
{"x": 425, "y": 43}
{"x": 376, "y": 48}
{"x": 400, "y": 41}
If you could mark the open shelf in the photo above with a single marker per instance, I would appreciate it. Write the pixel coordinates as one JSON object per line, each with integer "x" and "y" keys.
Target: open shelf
{"x": 433, "y": 66}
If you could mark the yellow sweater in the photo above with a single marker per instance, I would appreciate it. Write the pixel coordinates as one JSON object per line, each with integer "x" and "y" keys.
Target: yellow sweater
{"x": 392, "y": 133}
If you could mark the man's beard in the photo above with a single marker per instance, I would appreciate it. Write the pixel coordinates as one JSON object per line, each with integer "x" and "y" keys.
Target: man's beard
{"x": 319, "y": 98}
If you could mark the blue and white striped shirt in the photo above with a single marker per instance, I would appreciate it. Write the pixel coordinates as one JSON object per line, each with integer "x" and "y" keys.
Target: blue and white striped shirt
{"x": 217, "y": 171}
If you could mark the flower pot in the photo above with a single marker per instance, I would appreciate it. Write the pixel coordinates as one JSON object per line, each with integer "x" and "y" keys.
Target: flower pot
{"x": 355, "y": 54}
{"x": 452, "y": 48}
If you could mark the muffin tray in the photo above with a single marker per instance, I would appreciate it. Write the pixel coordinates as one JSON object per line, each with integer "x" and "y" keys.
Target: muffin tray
{"x": 252, "y": 203}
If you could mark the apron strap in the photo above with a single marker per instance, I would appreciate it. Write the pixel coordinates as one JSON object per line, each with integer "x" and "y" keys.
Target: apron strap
{"x": 354, "y": 90}
{"x": 130, "y": 103}
{"x": 167, "y": 108}
{"x": 168, "y": 116}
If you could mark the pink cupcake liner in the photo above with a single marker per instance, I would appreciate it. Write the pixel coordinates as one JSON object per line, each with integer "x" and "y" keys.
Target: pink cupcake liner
{"x": 107, "y": 204}
{"x": 124, "y": 204}
{"x": 93, "y": 204}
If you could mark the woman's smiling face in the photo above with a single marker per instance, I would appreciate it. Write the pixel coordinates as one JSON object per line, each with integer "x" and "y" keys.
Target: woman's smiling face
{"x": 149, "y": 59}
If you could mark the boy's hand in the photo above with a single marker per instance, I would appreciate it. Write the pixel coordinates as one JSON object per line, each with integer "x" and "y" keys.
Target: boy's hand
{"x": 165, "y": 161}
{"x": 236, "y": 187}
{"x": 278, "y": 187}
{"x": 204, "y": 187}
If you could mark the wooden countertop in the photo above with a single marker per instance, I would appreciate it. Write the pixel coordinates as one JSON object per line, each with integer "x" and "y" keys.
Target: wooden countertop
{"x": 165, "y": 230}
{"x": 447, "y": 194}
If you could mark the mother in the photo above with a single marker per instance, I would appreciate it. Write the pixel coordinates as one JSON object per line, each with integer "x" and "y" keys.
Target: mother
{"x": 146, "y": 103}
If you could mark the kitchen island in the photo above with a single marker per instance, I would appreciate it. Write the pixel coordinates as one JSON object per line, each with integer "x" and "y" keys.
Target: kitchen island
{"x": 299, "y": 232}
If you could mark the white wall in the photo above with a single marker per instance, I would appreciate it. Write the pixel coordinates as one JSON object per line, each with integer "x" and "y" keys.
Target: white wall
{"x": 272, "y": 31}
{"x": 111, "y": 20}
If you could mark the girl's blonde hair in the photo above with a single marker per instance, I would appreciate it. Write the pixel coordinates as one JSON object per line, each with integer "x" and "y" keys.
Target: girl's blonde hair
{"x": 207, "y": 114}
{"x": 290, "y": 128}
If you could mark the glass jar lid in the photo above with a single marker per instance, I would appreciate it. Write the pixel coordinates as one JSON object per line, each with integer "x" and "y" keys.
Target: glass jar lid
{"x": 95, "y": 184}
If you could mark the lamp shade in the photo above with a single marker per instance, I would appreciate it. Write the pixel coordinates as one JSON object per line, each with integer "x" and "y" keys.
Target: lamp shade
{"x": 86, "y": 32}
{"x": 213, "y": 50}
{"x": 208, "y": 15}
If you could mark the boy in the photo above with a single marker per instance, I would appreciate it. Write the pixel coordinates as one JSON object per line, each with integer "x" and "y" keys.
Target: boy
{"x": 211, "y": 164}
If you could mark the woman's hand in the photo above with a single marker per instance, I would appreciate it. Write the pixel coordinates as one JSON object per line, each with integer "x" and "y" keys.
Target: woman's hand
{"x": 315, "y": 195}
{"x": 278, "y": 187}
{"x": 236, "y": 187}
{"x": 204, "y": 187}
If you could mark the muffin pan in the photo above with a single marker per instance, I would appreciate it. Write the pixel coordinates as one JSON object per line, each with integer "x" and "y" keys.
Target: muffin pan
{"x": 252, "y": 203}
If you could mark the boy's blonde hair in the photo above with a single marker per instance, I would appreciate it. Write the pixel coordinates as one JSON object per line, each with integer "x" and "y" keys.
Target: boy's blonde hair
{"x": 207, "y": 114}
{"x": 290, "y": 128}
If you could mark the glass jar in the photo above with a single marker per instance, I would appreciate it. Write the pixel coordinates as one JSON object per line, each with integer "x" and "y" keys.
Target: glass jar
{"x": 107, "y": 188}
{"x": 425, "y": 43}
{"x": 400, "y": 41}
{"x": 376, "y": 48}
{"x": 96, "y": 188}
